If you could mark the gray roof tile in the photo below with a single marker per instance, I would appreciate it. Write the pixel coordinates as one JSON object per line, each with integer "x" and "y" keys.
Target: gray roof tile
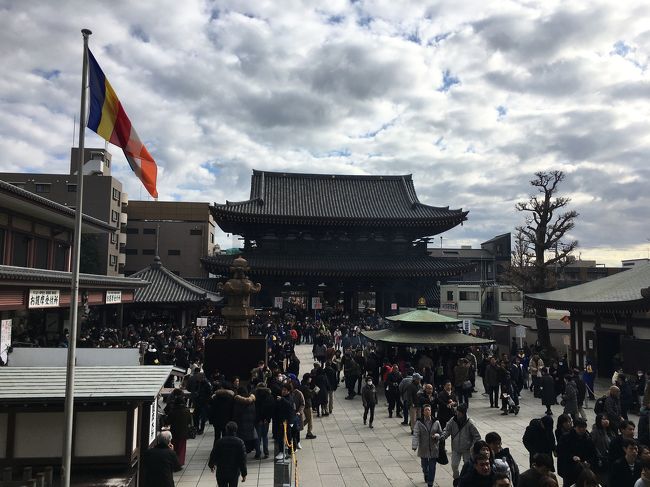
{"x": 166, "y": 287}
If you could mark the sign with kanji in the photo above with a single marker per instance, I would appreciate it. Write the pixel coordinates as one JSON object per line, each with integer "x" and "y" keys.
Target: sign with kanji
{"x": 467, "y": 326}
{"x": 315, "y": 303}
{"x": 393, "y": 306}
{"x": 202, "y": 321}
{"x": 520, "y": 331}
{"x": 5, "y": 339}
{"x": 43, "y": 298}
{"x": 113, "y": 297}
{"x": 277, "y": 302}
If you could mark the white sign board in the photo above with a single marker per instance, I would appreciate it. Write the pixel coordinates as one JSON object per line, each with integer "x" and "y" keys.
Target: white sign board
{"x": 5, "y": 339}
{"x": 153, "y": 412}
{"x": 520, "y": 331}
{"x": 86, "y": 357}
{"x": 277, "y": 302}
{"x": 467, "y": 326}
{"x": 393, "y": 306}
{"x": 202, "y": 321}
{"x": 43, "y": 298}
{"x": 113, "y": 297}
{"x": 315, "y": 303}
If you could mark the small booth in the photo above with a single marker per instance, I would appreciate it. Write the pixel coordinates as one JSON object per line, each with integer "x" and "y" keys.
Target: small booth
{"x": 115, "y": 416}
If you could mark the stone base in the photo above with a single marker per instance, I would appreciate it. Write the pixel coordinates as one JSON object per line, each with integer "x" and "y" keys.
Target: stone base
{"x": 232, "y": 356}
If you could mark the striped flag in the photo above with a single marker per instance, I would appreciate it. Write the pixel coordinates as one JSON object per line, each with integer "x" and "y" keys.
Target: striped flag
{"x": 109, "y": 120}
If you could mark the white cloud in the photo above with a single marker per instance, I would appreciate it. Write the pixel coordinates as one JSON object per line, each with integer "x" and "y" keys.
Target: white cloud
{"x": 216, "y": 89}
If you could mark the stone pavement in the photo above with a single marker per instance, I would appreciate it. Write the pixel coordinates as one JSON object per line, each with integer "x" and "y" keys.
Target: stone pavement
{"x": 347, "y": 453}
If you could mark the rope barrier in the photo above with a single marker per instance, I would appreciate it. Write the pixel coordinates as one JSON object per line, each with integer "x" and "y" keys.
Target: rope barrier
{"x": 294, "y": 459}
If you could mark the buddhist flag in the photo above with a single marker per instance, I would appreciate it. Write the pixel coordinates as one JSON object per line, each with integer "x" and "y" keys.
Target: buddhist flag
{"x": 109, "y": 120}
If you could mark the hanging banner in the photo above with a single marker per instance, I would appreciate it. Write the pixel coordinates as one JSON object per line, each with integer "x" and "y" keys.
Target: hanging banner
{"x": 278, "y": 302}
{"x": 202, "y": 321}
{"x": 5, "y": 339}
{"x": 153, "y": 420}
{"x": 315, "y": 303}
{"x": 43, "y": 298}
{"x": 467, "y": 326}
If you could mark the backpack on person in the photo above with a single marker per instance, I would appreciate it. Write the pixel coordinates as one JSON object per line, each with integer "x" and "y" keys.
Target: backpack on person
{"x": 599, "y": 407}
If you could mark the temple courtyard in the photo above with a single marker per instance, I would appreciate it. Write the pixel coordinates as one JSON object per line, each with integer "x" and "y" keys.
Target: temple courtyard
{"x": 347, "y": 453}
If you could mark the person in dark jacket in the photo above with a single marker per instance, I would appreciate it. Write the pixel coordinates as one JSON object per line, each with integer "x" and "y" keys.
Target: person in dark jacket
{"x": 179, "y": 420}
{"x": 160, "y": 462}
{"x": 541, "y": 468}
{"x": 369, "y": 398}
{"x": 627, "y": 470}
{"x": 201, "y": 399}
{"x": 284, "y": 412}
{"x": 229, "y": 458}
{"x": 549, "y": 396}
{"x": 307, "y": 389}
{"x": 221, "y": 405}
{"x": 644, "y": 426}
{"x": 447, "y": 403}
{"x": 616, "y": 451}
{"x": 391, "y": 385}
{"x": 573, "y": 450}
{"x": 538, "y": 438}
{"x": 411, "y": 393}
{"x": 491, "y": 376}
{"x": 481, "y": 475}
{"x": 582, "y": 392}
{"x": 320, "y": 398}
{"x": 502, "y": 461}
{"x": 264, "y": 404}
{"x": 244, "y": 414}
{"x": 332, "y": 373}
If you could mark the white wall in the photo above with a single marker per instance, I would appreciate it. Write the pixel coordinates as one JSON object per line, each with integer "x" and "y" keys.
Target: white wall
{"x": 100, "y": 433}
{"x": 38, "y": 435}
{"x": 57, "y": 357}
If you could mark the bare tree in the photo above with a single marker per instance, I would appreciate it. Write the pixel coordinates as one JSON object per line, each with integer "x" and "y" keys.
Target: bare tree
{"x": 540, "y": 246}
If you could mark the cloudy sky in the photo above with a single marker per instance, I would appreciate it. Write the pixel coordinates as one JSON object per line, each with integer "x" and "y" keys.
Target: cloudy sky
{"x": 471, "y": 97}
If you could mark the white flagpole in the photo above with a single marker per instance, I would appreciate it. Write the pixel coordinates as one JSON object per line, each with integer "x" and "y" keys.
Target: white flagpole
{"x": 74, "y": 288}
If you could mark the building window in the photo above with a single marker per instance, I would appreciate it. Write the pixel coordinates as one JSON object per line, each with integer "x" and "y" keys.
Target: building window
{"x": 41, "y": 253}
{"x": 510, "y": 296}
{"x": 61, "y": 257}
{"x": 149, "y": 231}
{"x": 113, "y": 260}
{"x": 114, "y": 215}
{"x": 468, "y": 295}
{"x": 148, "y": 252}
{"x": 113, "y": 237}
{"x": 173, "y": 252}
{"x": 450, "y": 295}
{"x": 116, "y": 194}
{"x": 132, "y": 231}
{"x": 211, "y": 237}
{"x": 72, "y": 188}
{"x": 131, "y": 251}
{"x": 196, "y": 231}
{"x": 43, "y": 187}
{"x": 21, "y": 250}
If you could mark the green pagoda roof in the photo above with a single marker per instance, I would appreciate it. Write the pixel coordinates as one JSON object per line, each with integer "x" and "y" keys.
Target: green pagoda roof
{"x": 423, "y": 316}
{"x": 424, "y": 336}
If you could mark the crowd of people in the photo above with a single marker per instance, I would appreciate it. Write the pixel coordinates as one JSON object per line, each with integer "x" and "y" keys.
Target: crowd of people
{"x": 429, "y": 390}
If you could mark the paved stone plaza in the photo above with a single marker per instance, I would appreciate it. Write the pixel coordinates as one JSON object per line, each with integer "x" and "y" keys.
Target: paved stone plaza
{"x": 347, "y": 453}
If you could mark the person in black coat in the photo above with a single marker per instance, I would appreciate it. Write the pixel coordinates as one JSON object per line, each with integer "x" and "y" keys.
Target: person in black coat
{"x": 331, "y": 371}
{"x": 284, "y": 411}
{"x": 549, "y": 396}
{"x": 264, "y": 405}
{"x": 221, "y": 407}
{"x": 320, "y": 399}
{"x": 481, "y": 475}
{"x": 229, "y": 458}
{"x": 538, "y": 438}
{"x": 627, "y": 470}
{"x": 573, "y": 450}
{"x": 160, "y": 463}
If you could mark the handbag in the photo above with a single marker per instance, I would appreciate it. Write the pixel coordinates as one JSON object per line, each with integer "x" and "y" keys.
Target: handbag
{"x": 467, "y": 385}
{"x": 442, "y": 453}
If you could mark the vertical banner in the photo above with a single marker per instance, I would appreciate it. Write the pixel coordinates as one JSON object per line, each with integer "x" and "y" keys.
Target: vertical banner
{"x": 278, "y": 302}
{"x": 153, "y": 421}
{"x": 5, "y": 339}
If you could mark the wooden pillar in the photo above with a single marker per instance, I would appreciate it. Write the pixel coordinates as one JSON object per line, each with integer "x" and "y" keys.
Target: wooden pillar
{"x": 571, "y": 358}
{"x": 581, "y": 341}
{"x": 629, "y": 329}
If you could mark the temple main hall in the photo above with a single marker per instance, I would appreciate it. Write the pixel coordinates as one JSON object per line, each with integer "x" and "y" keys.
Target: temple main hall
{"x": 326, "y": 241}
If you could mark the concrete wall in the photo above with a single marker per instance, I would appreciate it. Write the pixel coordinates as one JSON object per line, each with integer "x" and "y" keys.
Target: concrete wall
{"x": 100, "y": 433}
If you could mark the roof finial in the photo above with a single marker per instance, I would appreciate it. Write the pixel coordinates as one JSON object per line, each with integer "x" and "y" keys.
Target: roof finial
{"x": 422, "y": 303}
{"x": 157, "y": 262}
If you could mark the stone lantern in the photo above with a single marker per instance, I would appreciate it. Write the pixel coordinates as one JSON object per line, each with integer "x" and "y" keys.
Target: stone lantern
{"x": 238, "y": 290}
